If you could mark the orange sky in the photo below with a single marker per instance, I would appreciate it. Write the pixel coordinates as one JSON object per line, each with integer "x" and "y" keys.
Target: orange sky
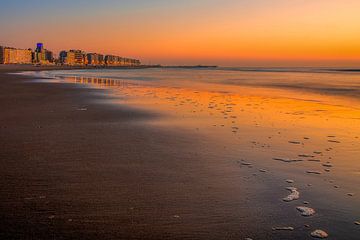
{"x": 227, "y": 32}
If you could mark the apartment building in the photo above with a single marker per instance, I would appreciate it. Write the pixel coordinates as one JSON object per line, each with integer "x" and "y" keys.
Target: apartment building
{"x": 10, "y": 55}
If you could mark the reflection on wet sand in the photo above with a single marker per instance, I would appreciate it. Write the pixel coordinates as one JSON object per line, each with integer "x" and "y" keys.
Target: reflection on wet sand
{"x": 98, "y": 81}
{"x": 306, "y": 138}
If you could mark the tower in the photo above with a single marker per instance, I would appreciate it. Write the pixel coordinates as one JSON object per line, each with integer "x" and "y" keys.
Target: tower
{"x": 39, "y": 47}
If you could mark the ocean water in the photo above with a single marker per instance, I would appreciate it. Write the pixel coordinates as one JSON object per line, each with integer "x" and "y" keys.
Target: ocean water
{"x": 343, "y": 82}
{"x": 269, "y": 125}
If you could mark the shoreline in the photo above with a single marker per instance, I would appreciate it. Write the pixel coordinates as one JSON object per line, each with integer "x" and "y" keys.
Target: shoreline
{"x": 8, "y": 68}
{"x": 30, "y": 67}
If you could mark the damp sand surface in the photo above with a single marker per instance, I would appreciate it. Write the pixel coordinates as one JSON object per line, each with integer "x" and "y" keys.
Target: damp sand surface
{"x": 198, "y": 145}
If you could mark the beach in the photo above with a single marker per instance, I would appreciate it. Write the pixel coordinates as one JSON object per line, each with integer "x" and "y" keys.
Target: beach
{"x": 86, "y": 155}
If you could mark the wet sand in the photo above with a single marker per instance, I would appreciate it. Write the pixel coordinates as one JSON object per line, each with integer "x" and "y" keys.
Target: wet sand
{"x": 76, "y": 165}
{"x": 69, "y": 174}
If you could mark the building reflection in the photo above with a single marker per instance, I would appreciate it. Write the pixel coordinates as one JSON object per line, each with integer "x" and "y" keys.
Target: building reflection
{"x": 106, "y": 82}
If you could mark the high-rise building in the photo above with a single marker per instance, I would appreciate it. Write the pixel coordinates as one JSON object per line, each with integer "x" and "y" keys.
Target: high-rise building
{"x": 49, "y": 56}
{"x": 67, "y": 58}
{"x": 73, "y": 57}
{"x": 111, "y": 60}
{"x": 42, "y": 55}
{"x": 39, "y": 47}
{"x": 10, "y": 55}
{"x": 95, "y": 59}
{"x": 80, "y": 57}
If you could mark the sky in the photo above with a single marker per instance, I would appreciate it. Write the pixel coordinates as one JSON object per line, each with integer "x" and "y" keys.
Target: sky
{"x": 174, "y": 32}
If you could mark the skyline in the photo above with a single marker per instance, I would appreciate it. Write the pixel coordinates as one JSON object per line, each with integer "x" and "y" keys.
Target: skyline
{"x": 225, "y": 33}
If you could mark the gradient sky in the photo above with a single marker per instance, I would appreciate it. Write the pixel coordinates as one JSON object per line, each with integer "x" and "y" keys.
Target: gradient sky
{"x": 221, "y": 32}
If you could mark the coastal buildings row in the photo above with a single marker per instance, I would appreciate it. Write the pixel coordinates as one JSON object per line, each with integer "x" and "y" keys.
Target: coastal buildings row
{"x": 10, "y": 55}
{"x": 78, "y": 57}
{"x": 42, "y": 56}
